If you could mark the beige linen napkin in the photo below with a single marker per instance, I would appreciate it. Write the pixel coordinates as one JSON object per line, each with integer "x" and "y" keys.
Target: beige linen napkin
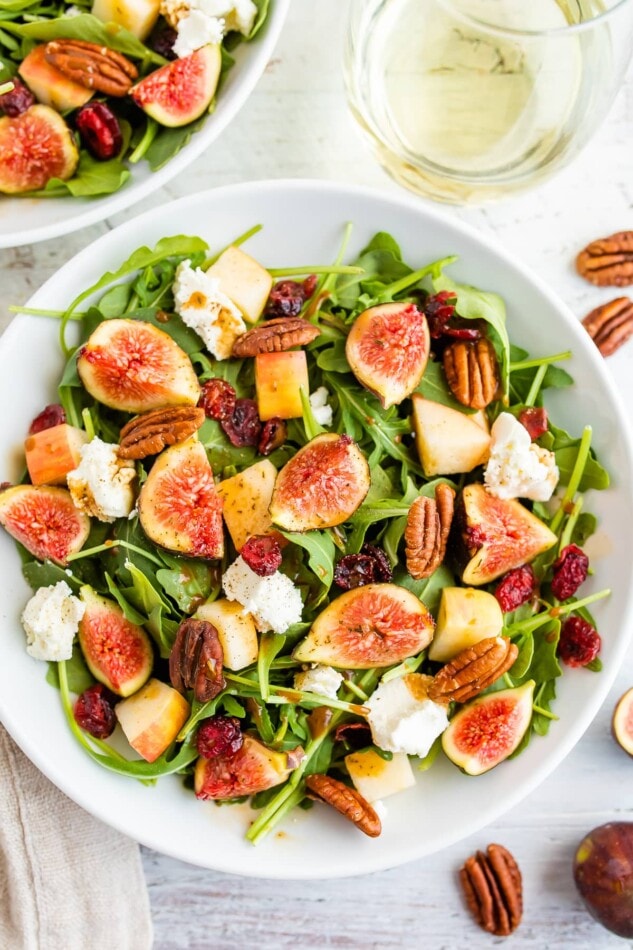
{"x": 67, "y": 881}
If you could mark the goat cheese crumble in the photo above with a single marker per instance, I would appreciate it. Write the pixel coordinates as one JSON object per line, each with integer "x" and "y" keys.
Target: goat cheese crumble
{"x": 101, "y": 485}
{"x": 518, "y": 468}
{"x": 209, "y": 312}
{"x": 403, "y": 719}
{"x": 323, "y": 680}
{"x": 51, "y": 620}
{"x": 201, "y": 22}
{"x": 274, "y": 602}
{"x": 321, "y": 409}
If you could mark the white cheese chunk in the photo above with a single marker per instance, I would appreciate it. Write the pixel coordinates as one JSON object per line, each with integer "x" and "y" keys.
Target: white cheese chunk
{"x": 403, "y": 722}
{"x": 101, "y": 485}
{"x": 274, "y": 602}
{"x": 51, "y": 620}
{"x": 321, "y": 409}
{"x": 204, "y": 308}
{"x": 196, "y": 30}
{"x": 238, "y": 15}
{"x": 518, "y": 468}
{"x": 323, "y": 680}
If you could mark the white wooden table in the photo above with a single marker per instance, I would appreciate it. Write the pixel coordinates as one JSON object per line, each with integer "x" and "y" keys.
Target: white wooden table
{"x": 296, "y": 125}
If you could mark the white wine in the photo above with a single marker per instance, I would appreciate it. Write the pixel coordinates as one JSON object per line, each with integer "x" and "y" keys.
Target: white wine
{"x": 476, "y": 91}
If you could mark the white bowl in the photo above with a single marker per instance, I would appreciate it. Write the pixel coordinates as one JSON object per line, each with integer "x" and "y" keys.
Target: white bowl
{"x": 28, "y": 220}
{"x": 303, "y": 225}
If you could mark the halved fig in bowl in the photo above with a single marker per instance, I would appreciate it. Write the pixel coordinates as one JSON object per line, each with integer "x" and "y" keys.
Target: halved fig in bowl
{"x": 179, "y": 92}
{"x": 387, "y": 349}
{"x": 622, "y": 722}
{"x": 44, "y": 520}
{"x": 322, "y": 485}
{"x": 178, "y": 506}
{"x": 133, "y": 366}
{"x": 494, "y": 535}
{"x": 367, "y": 628}
{"x": 118, "y": 653}
{"x": 253, "y": 768}
{"x": 35, "y": 147}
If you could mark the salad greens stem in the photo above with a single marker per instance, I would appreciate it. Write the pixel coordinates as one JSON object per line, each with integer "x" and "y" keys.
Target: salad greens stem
{"x": 296, "y": 696}
{"x": 56, "y": 314}
{"x": 330, "y": 278}
{"x": 567, "y": 532}
{"x": 88, "y": 424}
{"x": 537, "y": 382}
{"x": 242, "y": 239}
{"x": 409, "y": 280}
{"x": 362, "y": 695}
{"x": 532, "y": 623}
{"x": 148, "y": 137}
{"x": 108, "y": 545}
{"x": 318, "y": 269}
{"x": 5, "y": 87}
{"x": 575, "y": 479}
{"x": 545, "y": 712}
{"x": 540, "y": 361}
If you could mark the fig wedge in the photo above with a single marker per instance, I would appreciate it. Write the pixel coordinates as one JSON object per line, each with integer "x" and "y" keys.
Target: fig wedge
{"x": 622, "y": 722}
{"x": 252, "y": 769}
{"x": 367, "y": 628}
{"x": 35, "y": 147}
{"x": 179, "y": 92}
{"x": 44, "y": 520}
{"x": 118, "y": 653}
{"x": 322, "y": 485}
{"x": 178, "y": 506}
{"x": 133, "y": 366}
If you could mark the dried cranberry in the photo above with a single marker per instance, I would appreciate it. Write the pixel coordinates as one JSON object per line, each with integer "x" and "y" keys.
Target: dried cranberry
{"x": 94, "y": 711}
{"x": 17, "y": 101}
{"x": 516, "y": 588}
{"x": 462, "y": 332}
{"x": 534, "y": 419}
{"x": 243, "y": 427}
{"x": 287, "y": 297}
{"x": 579, "y": 642}
{"x": 570, "y": 571}
{"x": 274, "y": 434}
{"x": 357, "y": 735}
{"x": 438, "y": 309}
{"x": 162, "y": 40}
{"x": 262, "y": 554}
{"x": 220, "y": 735}
{"x": 371, "y": 566}
{"x": 99, "y": 130}
{"x": 217, "y": 399}
{"x": 52, "y": 415}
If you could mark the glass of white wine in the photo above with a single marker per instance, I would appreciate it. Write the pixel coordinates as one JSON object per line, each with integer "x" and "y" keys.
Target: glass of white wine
{"x": 468, "y": 100}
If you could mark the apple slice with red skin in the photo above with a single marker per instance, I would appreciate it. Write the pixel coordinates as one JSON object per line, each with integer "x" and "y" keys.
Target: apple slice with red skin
{"x": 253, "y": 768}
{"x": 44, "y": 520}
{"x": 388, "y": 349}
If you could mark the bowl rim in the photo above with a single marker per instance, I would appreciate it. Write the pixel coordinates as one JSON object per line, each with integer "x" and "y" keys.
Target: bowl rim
{"x": 599, "y": 694}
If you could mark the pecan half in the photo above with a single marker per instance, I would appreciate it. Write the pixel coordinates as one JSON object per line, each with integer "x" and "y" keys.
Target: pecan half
{"x": 472, "y": 372}
{"x": 275, "y": 335}
{"x": 151, "y": 432}
{"x": 493, "y": 889}
{"x": 610, "y": 325}
{"x": 93, "y": 66}
{"x": 608, "y": 261}
{"x": 473, "y": 670}
{"x": 196, "y": 659}
{"x": 426, "y": 533}
{"x": 347, "y": 801}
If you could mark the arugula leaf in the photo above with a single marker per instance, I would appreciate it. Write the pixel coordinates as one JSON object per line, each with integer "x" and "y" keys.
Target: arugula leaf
{"x": 168, "y": 142}
{"x": 433, "y": 386}
{"x": 87, "y": 27}
{"x": 565, "y": 449}
{"x": 428, "y": 590}
{"x": 260, "y": 19}
{"x": 188, "y": 582}
{"x": 44, "y": 573}
{"x": 79, "y": 676}
{"x": 320, "y": 548}
{"x": 91, "y": 178}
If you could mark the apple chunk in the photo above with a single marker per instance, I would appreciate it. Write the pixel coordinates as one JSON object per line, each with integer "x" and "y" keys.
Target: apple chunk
{"x": 246, "y": 498}
{"x": 152, "y": 718}
{"x": 137, "y": 16}
{"x": 448, "y": 441}
{"x": 279, "y": 379}
{"x": 52, "y": 453}
{"x": 466, "y": 616}
{"x": 237, "y": 632}
{"x": 375, "y": 777}
{"x": 244, "y": 280}
{"x": 49, "y": 85}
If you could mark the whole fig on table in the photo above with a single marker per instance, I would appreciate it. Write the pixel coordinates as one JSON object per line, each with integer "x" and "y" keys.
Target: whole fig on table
{"x": 603, "y": 872}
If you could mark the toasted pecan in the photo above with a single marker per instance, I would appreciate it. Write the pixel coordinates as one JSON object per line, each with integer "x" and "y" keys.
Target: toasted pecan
{"x": 473, "y": 670}
{"x": 196, "y": 660}
{"x": 610, "y": 325}
{"x": 151, "y": 432}
{"x": 275, "y": 335}
{"x": 608, "y": 262}
{"x": 472, "y": 372}
{"x": 347, "y": 801}
{"x": 93, "y": 66}
{"x": 493, "y": 890}
{"x": 427, "y": 530}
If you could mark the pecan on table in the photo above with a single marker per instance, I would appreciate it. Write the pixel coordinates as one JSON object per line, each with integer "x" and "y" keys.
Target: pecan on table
{"x": 347, "y": 801}
{"x": 473, "y": 670}
{"x": 275, "y": 335}
{"x": 427, "y": 529}
{"x": 608, "y": 262}
{"x": 610, "y": 325}
{"x": 93, "y": 66}
{"x": 196, "y": 660}
{"x": 493, "y": 890}
{"x": 151, "y": 432}
{"x": 472, "y": 372}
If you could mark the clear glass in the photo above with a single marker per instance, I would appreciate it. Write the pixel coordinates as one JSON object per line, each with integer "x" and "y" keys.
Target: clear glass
{"x": 467, "y": 100}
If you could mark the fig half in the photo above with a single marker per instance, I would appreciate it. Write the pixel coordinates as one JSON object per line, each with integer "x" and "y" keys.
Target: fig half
{"x": 253, "y": 768}
{"x": 179, "y": 92}
{"x": 35, "y": 147}
{"x": 603, "y": 872}
{"x": 133, "y": 366}
{"x": 322, "y": 485}
{"x": 367, "y": 628}
{"x": 493, "y": 535}
{"x": 178, "y": 506}
{"x": 118, "y": 653}
{"x": 622, "y": 723}
{"x": 44, "y": 520}
{"x": 387, "y": 349}
{"x": 488, "y": 730}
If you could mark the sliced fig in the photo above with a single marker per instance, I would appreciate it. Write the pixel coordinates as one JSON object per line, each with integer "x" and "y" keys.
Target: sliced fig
{"x": 622, "y": 723}
{"x": 181, "y": 91}
{"x": 44, "y": 520}
{"x": 494, "y": 535}
{"x": 179, "y": 507}
{"x": 134, "y": 366}
{"x": 387, "y": 349}
{"x": 322, "y": 485}
{"x": 253, "y": 768}
{"x": 118, "y": 653}
{"x": 367, "y": 628}
{"x": 488, "y": 730}
{"x": 35, "y": 147}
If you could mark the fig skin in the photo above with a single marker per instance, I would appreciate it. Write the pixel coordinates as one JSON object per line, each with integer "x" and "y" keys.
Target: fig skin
{"x": 622, "y": 722}
{"x": 253, "y": 768}
{"x": 180, "y": 91}
{"x": 67, "y": 528}
{"x": 603, "y": 874}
